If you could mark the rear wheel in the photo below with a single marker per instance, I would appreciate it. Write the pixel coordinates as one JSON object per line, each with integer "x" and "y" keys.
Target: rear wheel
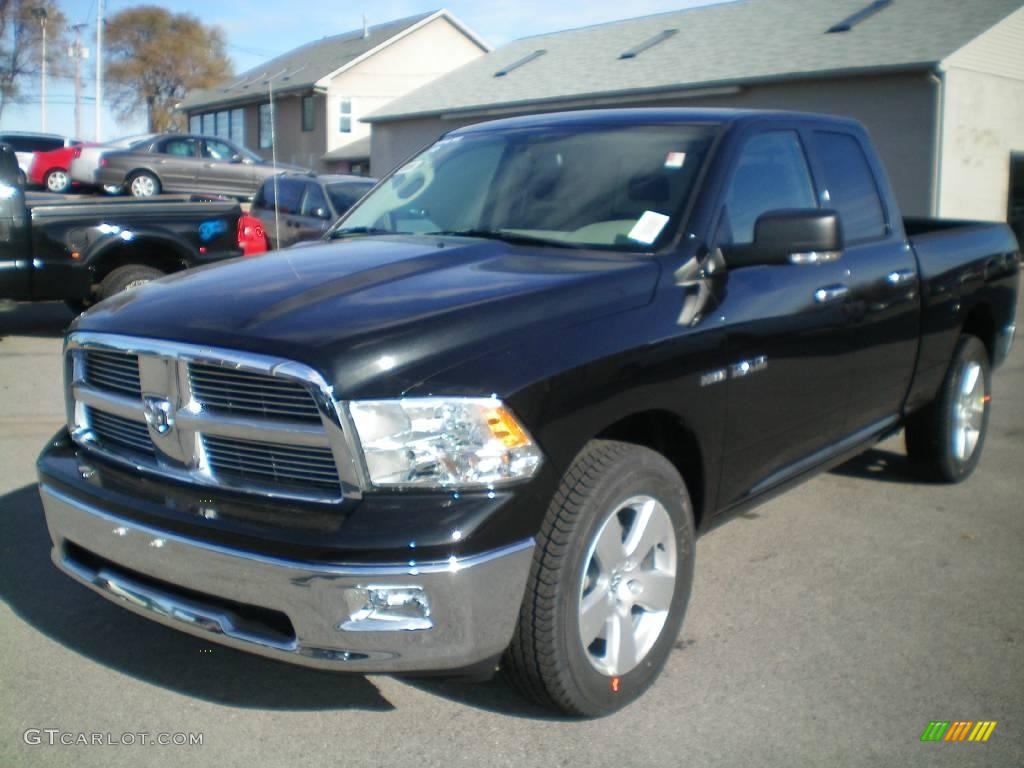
{"x": 945, "y": 438}
{"x": 58, "y": 180}
{"x": 144, "y": 184}
{"x": 609, "y": 584}
{"x": 125, "y": 278}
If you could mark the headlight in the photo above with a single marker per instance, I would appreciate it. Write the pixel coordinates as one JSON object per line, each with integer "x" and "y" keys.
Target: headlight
{"x": 450, "y": 442}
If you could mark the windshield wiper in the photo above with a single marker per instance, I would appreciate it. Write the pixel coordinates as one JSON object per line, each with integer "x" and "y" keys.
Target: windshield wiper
{"x": 336, "y": 233}
{"x": 505, "y": 236}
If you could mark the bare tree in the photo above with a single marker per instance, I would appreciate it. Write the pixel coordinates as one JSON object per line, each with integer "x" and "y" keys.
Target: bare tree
{"x": 21, "y": 36}
{"x": 154, "y": 57}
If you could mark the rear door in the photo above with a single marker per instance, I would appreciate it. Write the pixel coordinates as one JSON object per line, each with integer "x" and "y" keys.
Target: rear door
{"x": 220, "y": 173}
{"x": 176, "y": 161}
{"x": 882, "y": 280}
{"x": 787, "y": 342}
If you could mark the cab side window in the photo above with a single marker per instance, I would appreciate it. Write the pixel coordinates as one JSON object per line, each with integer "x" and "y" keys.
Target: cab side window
{"x": 851, "y": 186}
{"x": 771, "y": 174}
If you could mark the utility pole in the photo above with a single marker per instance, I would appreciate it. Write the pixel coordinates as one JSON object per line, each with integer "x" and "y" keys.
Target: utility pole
{"x": 99, "y": 69}
{"x": 40, "y": 13}
{"x": 78, "y": 52}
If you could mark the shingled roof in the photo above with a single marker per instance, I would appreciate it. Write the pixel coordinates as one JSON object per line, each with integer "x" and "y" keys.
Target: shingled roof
{"x": 715, "y": 45}
{"x": 302, "y": 68}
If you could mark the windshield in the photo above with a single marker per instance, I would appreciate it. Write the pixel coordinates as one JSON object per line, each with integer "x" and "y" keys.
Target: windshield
{"x": 620, "y": 188}
{"x": 344, "y": 194}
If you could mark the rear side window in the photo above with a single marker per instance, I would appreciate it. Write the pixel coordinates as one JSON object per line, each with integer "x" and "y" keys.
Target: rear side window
{"x": 851, "y": 186}
{"x": 289, "y": 194}
{"x": 179, "y": 147}
{"x": 33, "y": 143}
{"x": 771, "y": 174}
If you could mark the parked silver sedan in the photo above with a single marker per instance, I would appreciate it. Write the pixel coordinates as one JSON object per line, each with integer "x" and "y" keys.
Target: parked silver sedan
{"x": 187, "y": 163}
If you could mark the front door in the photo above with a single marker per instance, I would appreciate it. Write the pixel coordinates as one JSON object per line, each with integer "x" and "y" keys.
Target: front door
{"x": 786, "y": 329}
{"x": 223, "y": 171}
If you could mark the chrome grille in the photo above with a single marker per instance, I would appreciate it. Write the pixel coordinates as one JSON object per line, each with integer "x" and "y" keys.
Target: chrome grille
{"x": 115, "y": 431}
{"x": 268, "y": 462}
{"x": 210, "y": 416}
{"x": 114, "y": 371}
{"x": 240, "y": 393}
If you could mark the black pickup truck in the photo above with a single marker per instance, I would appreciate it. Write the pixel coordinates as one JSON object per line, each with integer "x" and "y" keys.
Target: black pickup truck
{"x": 485, "y": 424}
{"x": 83, "y": 251}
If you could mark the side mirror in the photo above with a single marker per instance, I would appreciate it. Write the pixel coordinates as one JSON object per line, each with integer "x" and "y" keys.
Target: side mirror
{"x": 321, "y": 213}
{"x": 802, "y": 236}
{"x": 236, "y": 158}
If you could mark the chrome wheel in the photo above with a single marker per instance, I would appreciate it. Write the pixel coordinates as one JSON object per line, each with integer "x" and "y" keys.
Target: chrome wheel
{"x": 968, "y": 411}
{"x": 57, "y": 181}
{"x": 629, "y": 577}
{"x": 143, "y": 186}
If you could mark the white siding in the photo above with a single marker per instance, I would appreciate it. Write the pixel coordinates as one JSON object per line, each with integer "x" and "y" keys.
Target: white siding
{"x": 999, "y": 51}
{"x": 983, "y": 123}
{"x": 410, "y": 62}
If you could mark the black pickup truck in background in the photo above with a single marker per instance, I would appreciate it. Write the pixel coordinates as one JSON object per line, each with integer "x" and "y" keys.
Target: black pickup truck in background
{"x": 486, "y": 423}
{"x": 84, "y": 251}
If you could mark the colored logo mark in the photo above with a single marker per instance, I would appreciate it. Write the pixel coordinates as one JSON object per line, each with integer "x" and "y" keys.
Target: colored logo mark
{"x": 958, "y": 730}
{"x": 211, "y": 229}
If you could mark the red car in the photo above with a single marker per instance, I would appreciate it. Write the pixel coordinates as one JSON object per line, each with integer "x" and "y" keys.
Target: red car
{"x": 51, "y": 170}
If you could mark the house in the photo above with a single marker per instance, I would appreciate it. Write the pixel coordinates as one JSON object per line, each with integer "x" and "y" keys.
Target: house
{"x": 315, "y": 96}
{"x": 938, "y": 83}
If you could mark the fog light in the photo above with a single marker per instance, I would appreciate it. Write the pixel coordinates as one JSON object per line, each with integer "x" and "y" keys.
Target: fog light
{"x": 384, "y": 609}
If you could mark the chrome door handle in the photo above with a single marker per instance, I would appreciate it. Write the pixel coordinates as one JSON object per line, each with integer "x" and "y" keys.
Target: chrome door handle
{"x": 901, "y": 277}
{"x": 830, "y": 293}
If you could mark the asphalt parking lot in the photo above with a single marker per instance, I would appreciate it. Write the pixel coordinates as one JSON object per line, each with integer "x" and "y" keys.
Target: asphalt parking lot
{"x": 827, "y": 627}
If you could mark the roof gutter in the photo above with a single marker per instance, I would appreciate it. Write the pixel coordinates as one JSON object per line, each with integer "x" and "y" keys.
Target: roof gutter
{"x": 681, "y": 90}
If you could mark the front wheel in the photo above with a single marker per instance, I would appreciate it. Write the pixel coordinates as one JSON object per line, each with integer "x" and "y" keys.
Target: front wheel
{"x": 609, "y": 583}
{"x": 945, "y": 438}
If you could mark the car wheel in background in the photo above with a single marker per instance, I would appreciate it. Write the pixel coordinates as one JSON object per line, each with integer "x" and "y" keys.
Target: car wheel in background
{"x": 945, "y": 438}
{"x": 113, "y": 189}
{"x": 609, "y": 583}
{"x": 143, "y": 184}
{"x": 57, "y": 180}
{"x": 126, "y": 277}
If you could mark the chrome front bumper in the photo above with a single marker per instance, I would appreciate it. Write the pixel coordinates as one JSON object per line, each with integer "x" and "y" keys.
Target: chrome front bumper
{"x": 221, "y": 594}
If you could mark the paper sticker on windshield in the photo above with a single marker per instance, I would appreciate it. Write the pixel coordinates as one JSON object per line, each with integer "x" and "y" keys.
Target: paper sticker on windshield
{"x": 675, "y": 159}
{"x": 648, "y": 227}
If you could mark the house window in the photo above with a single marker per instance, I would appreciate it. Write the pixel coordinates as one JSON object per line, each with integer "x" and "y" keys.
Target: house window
{"x": 221, "y": 127}
{"x": 265, "y": 126}
{"x": 195, "y": 124}
{"x": 307, "y": 113}
{"x": 237, "y": 133}
{"x": 345, "y": 116}
{"x": 208, "y": 123}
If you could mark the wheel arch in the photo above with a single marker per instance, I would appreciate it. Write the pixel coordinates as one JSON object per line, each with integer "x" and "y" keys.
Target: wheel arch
{"x": 981, "y": 323}
{"x": 146, "y": 250}
{"x": 667, "y": 433}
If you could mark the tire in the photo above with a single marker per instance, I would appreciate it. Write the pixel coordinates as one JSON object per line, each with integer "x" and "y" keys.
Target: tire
{"x": 945, "y": 438}
{"x": 57, "y": 180}
{"x": 112, "y": 189}
{"x": 128, "y": 276}
{"x": 609, "y": 490}
{"x": 143, "y": 184}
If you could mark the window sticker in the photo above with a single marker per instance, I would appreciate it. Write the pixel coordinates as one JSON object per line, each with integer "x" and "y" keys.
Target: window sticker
{"x": 675, "y": 160}
{"x": 648, "y": 227}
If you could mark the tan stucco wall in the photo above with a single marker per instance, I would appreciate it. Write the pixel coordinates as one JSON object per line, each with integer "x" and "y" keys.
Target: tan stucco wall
{"x": 898, "y": 110}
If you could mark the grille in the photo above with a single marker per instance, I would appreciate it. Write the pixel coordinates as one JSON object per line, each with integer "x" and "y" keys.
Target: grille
{"x": 240, "y": 393}
{"x": 111, "y": 430}
{"x": 114, "y": 371}
{"x": 301, "y": 466}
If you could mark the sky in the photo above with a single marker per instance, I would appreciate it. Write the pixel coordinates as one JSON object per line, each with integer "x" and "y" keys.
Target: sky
{"x": 257, "y": 30}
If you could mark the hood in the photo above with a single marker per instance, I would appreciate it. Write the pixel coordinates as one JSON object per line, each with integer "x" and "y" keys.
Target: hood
{"x": 377, "y": 315}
